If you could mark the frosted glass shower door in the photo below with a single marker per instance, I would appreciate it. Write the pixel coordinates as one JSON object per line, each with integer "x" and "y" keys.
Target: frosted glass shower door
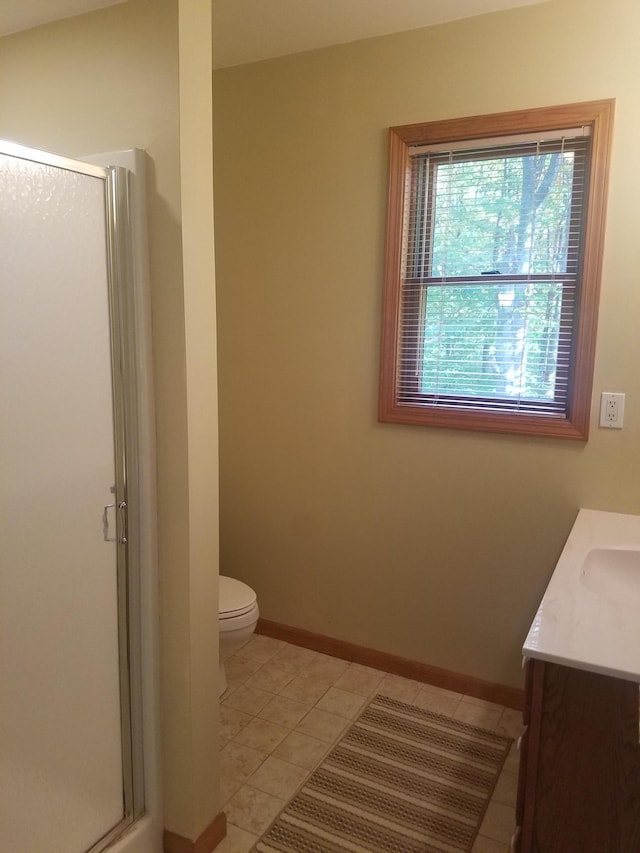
{"x": 61, "y": 756}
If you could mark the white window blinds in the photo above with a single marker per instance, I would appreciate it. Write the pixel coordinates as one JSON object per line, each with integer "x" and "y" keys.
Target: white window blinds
{"x": 491, "y": 260}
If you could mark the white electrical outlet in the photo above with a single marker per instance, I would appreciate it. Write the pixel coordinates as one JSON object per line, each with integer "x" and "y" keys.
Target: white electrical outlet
{"x": 611, "y": 410}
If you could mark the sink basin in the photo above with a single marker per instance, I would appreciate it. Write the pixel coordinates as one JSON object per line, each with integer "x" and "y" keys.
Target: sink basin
{"x": 589, "y": 617}
{"x": 613, "y": 573}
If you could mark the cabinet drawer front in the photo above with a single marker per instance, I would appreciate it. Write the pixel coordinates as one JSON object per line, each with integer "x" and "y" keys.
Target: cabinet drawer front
{"x": 527, "y": 665}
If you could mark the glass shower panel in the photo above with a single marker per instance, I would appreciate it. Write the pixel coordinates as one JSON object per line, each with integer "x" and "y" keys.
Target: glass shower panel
{"x": 61, "y": 766}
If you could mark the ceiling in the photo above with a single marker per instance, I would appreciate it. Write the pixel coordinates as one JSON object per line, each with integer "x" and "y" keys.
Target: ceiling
{"x": 16, "y": 15}
{"x": 260, "y": 29}
{"x": 250, "y": 30}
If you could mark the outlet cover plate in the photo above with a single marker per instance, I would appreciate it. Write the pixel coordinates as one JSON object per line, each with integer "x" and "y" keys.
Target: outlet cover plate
{"x": 611, "y": 410}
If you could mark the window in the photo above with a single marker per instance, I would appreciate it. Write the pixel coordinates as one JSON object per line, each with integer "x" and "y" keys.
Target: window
{"x": 494, "y": 244}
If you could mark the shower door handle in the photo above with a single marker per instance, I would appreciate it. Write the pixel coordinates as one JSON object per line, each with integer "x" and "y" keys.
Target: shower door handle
{"x": 105, "y": 523}
{"x": 122, "y": 512}
{"x": 124, "y": 522}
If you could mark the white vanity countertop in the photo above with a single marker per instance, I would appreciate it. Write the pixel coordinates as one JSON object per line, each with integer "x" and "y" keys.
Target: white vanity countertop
{"x": 589, "y": 617}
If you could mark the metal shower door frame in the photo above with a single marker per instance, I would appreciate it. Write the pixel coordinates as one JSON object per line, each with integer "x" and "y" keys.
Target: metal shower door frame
{"x": 118, "y": 255}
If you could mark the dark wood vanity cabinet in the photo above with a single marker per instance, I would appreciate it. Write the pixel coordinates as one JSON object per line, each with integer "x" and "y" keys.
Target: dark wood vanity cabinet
{"x": 579, "y": 782}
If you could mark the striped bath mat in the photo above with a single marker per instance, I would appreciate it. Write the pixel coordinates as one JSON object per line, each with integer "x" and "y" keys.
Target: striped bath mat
{"x": 402, "y": 779}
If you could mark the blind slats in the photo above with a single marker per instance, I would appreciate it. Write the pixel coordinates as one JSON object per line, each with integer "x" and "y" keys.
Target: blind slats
{"x": 491, "y": 274}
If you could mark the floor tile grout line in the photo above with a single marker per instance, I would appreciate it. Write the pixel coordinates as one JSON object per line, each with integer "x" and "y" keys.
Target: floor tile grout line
{"x": 394, "y": 685}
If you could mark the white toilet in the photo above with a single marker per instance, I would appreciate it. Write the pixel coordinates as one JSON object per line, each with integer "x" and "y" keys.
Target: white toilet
{"x": 237, "y": 617}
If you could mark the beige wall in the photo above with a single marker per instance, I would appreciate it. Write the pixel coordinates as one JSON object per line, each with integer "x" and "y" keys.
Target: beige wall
{"x": 105, "y": 81}
{"x": 427, "y": 543}
{"x": 196, "y": 169}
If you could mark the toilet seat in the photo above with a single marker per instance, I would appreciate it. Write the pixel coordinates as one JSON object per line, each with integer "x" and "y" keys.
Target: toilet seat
{"x": 235, "y": 598}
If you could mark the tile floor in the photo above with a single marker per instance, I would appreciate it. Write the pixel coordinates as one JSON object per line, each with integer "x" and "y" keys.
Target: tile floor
{"x": 285, "y": 707}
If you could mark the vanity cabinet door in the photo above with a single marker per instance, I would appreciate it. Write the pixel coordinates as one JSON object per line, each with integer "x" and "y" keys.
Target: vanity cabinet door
{"x": 580, "y": 766}
{"x": 529, "y": 746}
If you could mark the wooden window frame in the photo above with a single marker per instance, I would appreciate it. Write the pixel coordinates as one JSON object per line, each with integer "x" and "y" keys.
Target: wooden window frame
{"x": 598, "y": 116}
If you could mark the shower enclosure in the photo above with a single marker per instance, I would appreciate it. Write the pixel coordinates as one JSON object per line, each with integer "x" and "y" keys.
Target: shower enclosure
{"x": 77, "y": 504}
